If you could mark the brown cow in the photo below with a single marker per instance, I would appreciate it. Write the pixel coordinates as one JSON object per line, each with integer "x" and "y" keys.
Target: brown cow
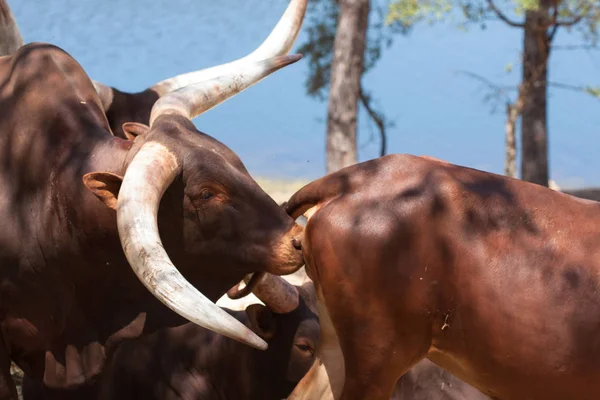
{"x": 494, "y": 279}
{"x": 190, "y": 362}
{"x": 80, "y": 206}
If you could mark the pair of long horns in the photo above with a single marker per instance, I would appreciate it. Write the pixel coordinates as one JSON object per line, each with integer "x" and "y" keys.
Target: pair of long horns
{"x": 154, "y": 168}
{"x": 195, "y": 92}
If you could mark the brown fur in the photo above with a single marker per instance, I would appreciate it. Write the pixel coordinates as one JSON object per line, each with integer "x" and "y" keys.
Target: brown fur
{"x": 189, "y": 362}
{"x": 67, "y": 293}
{"x": 494, "y": 279}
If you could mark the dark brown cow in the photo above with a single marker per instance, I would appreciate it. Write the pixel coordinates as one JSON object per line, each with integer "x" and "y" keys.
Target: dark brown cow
{"x": 189, "y": 362}
{"x": 74, "y": 198}
{"x": 494, "y": 279}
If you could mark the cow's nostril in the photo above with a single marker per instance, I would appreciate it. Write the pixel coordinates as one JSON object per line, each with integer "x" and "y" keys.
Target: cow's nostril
{"x": 296, "y": 243}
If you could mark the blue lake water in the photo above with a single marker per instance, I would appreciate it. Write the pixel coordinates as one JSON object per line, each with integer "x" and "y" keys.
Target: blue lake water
{"x": 277, "y": 130}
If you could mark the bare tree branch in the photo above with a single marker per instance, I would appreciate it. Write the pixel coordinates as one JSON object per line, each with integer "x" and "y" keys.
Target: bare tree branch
{"x": 503, "y": 17}
{"x": 572, "y": 22}
{"x": 566, "y": 86}
{"x": 553, "y": 32}
{"x": 554, "y": 24}
{"x": 579, "y": 15}
{"x": 576, "y": 47}
{"x": 377, "y": 118}
{"x": 499, "y": 91}
{"x": 592, "y": 91}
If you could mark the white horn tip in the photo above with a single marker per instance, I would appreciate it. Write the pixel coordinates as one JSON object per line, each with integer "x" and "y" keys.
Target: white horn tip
{"x": 295, "y": 57}
{"x": 258, "y": 343}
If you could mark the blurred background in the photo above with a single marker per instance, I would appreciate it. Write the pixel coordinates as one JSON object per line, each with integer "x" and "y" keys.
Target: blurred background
{"x": 439, "y": 76}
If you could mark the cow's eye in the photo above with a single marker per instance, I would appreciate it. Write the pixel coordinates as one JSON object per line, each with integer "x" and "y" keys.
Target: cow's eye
{"x": 206, "y": 195}
{"x": 303, "y": 347}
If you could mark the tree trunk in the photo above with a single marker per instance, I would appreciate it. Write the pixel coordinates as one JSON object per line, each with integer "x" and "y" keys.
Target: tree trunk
{"x": 344, "y": 92}
{"x": 534, "y": 128}
{"x": 510, "y": 162}
{"x": 10, "y": 37}
{"x": 513, "y": 111}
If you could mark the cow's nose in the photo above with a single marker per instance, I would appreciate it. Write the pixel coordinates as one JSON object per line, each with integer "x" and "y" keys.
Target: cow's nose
{"x": 297, "y": 243}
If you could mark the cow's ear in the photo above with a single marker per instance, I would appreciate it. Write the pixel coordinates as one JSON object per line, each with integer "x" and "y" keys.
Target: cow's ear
{"x": 134, "y": 129}
{"x": 261, "y": 320}
{"x": 105, "y": 186}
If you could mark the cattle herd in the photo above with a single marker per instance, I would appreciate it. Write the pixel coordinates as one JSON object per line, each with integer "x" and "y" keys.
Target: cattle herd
{"x": 122, "y": 224}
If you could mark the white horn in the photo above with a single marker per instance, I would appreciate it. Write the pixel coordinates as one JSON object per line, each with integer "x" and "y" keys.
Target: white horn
{"x": 10, "y": 36}
{"x": 278, "y": 43}
{"x": 193, "y": 100}
{"x": 105, "y": 93}
{"x": 150, "y": 173}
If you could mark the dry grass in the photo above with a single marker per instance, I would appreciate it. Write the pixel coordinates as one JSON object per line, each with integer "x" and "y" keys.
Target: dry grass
{"x": 281, "y": 190}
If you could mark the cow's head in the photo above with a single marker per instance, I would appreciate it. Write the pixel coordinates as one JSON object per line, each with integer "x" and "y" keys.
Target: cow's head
{"x": 293, "y": 335}
{"x": 229, "y": 222}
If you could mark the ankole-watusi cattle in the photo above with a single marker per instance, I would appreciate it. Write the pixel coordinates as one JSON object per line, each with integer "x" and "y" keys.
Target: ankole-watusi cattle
{"x": 131, "y": 108}
{"x": 82, "y": 262}
{"x": 494, "y": 279}
{"x": 190, "y": 362}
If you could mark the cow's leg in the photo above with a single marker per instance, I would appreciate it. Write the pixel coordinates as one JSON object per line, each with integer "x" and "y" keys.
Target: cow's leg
{"x": 366, "y": 272}
{"x": 379, "y": 314}
{"x": 375, "y": 355}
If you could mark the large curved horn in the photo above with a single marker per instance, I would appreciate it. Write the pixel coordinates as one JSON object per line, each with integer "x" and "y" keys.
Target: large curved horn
{"x": 236, "y": 293}
{"x": 279, "y": 42}
{"x": 193, "y": 100}
{"x": 150, "y": 173}
{"x": 279, "y": 295}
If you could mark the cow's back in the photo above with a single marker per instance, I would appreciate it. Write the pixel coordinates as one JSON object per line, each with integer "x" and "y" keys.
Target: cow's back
{"x": 49, "y": 112}
{"x": 495, "y": 277}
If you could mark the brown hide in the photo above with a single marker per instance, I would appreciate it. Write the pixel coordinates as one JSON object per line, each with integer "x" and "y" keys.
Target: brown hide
{"x": 493, "y": 279}
{"x": 129, "y": 107}
{"x": 189, "y": 362}
{"x": 67, "y": 292}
